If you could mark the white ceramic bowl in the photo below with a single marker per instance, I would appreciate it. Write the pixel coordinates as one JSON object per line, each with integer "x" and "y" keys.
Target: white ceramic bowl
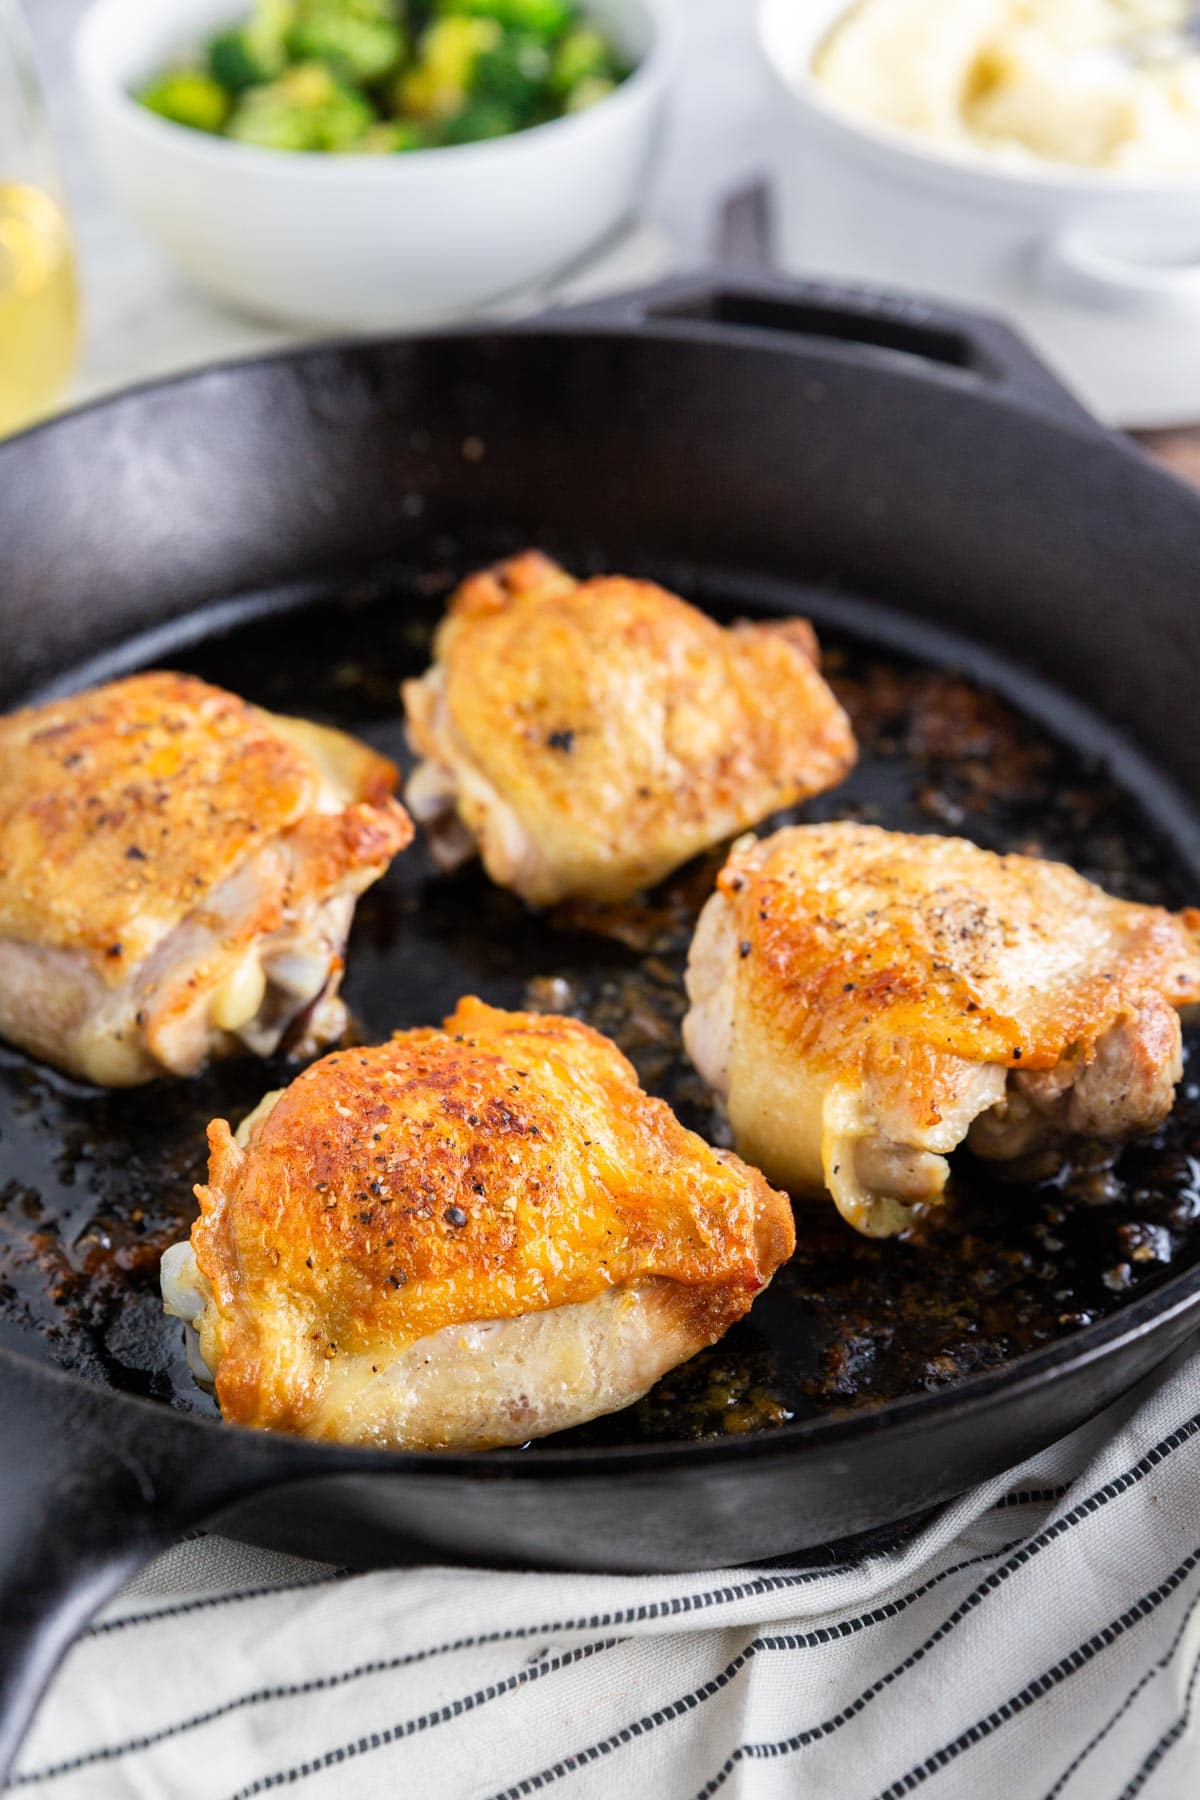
{"x": 1101, "y": 271}
{"x": 367, "y": 242}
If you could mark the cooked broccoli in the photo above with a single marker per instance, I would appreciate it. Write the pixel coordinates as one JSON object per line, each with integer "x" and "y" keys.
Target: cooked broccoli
{"x": 187, "y": 97}
{"x": 440, "y": 82}
{"x": 479, "y": 120}
{"x": 388, "y": 138}
{"x": 361, "y": 39}
{"x": 308, "y": 108}
{"x": 250, "y": 54}
{"x": 586, "y": 93}
{"x": 340, "y": 75}
{"x": 544, "y": 18}
{"x": 514, "y": 75}
{"x": 234, "y": 64}
{"x": 583, "y": 55}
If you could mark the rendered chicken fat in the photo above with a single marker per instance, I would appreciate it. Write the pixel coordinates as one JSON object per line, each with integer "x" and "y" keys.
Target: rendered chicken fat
{"x": 464, "y": 1238}
{"x": 1105, "y": 84}
{"x": 589, "y": 737}
{"x": 865, "y": 1001}
{"x": 178, "y": 873}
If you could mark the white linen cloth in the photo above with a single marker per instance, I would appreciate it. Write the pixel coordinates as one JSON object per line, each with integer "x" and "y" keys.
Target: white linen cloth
{"x": 1040, "y": 1638}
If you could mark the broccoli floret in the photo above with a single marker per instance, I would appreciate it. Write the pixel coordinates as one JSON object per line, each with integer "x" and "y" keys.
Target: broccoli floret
{"x": 480, "y": 120}
{"x": 361, "y": 39}
{"x": 232, "y": 62}
{"x": 514, "y": 74}
{"x": 441, "y": 80}
{"x": 256, "y": 52}
{"x": 308, "y": 108}
{"x": 583, "y": 55}
{"x": 544, "y": 18}
{"x": 586, "y": 93}
{"x": 187, "y": 97}
{"x": 388, "y": 138}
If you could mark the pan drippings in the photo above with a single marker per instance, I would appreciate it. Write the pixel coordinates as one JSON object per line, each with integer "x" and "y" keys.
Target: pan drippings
{"x": 93, "y": 1185}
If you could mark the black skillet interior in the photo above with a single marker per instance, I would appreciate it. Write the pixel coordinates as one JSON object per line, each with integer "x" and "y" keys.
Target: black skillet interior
{"x": 94, "y": 1185}
{"x": 930, "y": 495}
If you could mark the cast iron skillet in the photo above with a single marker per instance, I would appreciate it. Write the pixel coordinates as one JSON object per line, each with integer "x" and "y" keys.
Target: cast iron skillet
{"x": 913, "y": 480}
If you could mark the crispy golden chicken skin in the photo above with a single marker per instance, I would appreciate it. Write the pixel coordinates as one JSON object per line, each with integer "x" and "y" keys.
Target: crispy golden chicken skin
{"x": 465, "y": 1238}
{"x": 589, "y": 736}
{"x": 178, "y": 872}
{"x": 865, "y": 1000}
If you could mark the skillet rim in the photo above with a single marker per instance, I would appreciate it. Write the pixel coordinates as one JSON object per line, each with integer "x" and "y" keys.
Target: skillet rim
{"x": 992, "y": 387}
{"x": 977, "y": 1393}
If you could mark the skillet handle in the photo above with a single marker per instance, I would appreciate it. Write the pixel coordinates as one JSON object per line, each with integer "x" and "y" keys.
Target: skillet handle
{"x": 91, "y": 1487}
{"x": 964, "y": 347}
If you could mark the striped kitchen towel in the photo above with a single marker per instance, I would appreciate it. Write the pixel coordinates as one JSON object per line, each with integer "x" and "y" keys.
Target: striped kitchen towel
{"x": 1041, "y": 1638}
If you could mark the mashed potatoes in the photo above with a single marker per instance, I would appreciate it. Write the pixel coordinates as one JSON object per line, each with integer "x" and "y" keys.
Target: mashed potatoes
{"x": 1103, "y": 84}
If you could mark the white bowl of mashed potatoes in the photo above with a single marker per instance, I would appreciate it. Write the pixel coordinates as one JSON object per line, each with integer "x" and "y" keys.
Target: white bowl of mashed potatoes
{"x": 1035, "y": 158}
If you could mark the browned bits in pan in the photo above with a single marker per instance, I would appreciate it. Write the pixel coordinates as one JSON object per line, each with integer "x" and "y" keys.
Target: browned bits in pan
{"x": 94, "y": 1185}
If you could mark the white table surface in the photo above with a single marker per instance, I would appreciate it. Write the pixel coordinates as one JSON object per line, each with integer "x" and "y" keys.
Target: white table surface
{"x": 143, "y": 320}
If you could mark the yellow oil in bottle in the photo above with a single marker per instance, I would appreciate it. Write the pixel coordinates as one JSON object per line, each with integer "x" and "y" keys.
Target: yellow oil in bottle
{"x": 39, "y": 307}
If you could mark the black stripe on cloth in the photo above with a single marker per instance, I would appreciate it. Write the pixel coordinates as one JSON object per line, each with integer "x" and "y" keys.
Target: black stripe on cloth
{"x": 1156, "y": 1668}
{"x": 808, "y": 1640}
{"x": 1032, "y": 1497}
{"x": 1043, "y": 1684}
{"x": 682, "y": 1603}
{"x": 378, "y": 1740}
{"x": 1167, "y": 1740}
{"x": 679, "y": 1604}
{"x": 1111, "y": 1490}
{"x": 180, "y": 1608}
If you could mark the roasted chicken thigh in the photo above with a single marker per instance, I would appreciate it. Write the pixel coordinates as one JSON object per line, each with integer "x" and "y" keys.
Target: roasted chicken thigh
{"x": 589, "y": 736}
{"x": 178, "y": 872}
{"x": 465, "y": 1238}
{"x": 866, "y": 1000}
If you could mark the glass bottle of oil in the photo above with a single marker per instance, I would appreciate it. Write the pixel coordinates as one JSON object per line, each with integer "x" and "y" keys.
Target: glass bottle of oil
{"x": 39, "y": 313}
